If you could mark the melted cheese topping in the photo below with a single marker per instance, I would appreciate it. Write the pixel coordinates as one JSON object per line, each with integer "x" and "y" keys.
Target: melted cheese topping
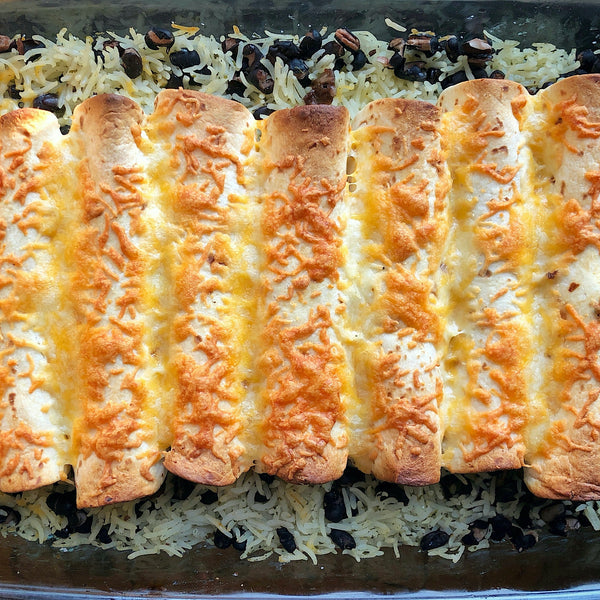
{"x": 400, "y": 204}
{"x": 486, "y": 400}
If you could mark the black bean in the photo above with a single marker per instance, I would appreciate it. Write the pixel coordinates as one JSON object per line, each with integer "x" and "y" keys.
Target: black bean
{"x": 521, "y": 541}
{"x": 184, "y": 58}
{"x": 23, "y": 45}
{"x": 48, "y": 102}
{"x": 209, "y": 497}
{"x": 574, "y": 72}
{"x": 64, "y": 129}
{"x": 359, "y": 60}
{"x": 497, "y": 74}
{"x": 286, "y": 539}
{"x": 236, "y": 85}
{"x": 4, "y": 43}
{"x": 268, "y": 479}
{"x": 479, "y": 72}
{"x": 334, "y": 48}
{"x": 260, "y": 78}
{"x": 310, "y": 43}
{"x": 262, "y": 112}
{"x": 175, "y": 82}
{"x": 415, "y": 71}
{"x": 159, "y": 38}
{"x": 333, "y": 503}
{"x": 558, "y": 526}
{"x": 433, "y": 74}
{"x": 452, "y": 47}
{"x": 63, "y": 533}
{"x": 453, "y": 79}
{"x": 113, "y": 44}
{"x": 63, "y": 504}
{"x": 13, "y": 92}
{"x": 222, "y": 540}
{"x": 299, "y": 68}
{"x": 80, "y": 522}
{"x": 500, "y": 527}
{"x": 586, "y": 59}
{"x": 239, "y": 546}
{"x": 434, "y": 539}
{"x": 182, "y": 488}
{"x": 552, "y": 511}
{"x": 391, "y": 490}
{"x": 350, "y": 476}
{"x": 9, "y": 516}
{"x": 230, "y": 45}
{"x": 524, "y": 519}
{"x": 102, "y": 536}
{"x": 283, "y": 49}
{"x": 132, "y": 63}
{"x": 397, "y": 61}
{"x": 596, "y": 66}
{"x": 342, "y": 539}
{"x": 478, "y": 530}
{"x": 260, "y": 498}
{"x": 507, "y": 486}
{"x": 252, "y": 56}
{"x": 345, "y": 38}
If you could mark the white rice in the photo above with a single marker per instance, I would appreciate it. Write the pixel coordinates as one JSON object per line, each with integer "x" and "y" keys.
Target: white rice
{"x": 68, "y": 67}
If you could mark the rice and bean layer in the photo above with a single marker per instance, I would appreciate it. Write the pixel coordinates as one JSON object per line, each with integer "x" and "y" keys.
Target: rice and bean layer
{"x": 260, "y": 516}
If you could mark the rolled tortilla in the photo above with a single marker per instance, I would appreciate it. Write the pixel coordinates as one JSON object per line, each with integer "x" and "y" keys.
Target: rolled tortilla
{"x": 205, "y": 142}
{"x": 34, "y": 427}
{"x": 303, "y": 365}
{"x": 488, "y": 264}
{"x": 563, "y": 452}
{"x": 116, "y": 434}
{"x": 400, "y": 202}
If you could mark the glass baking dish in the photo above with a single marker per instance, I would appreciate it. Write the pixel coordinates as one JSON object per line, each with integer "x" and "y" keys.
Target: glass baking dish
{"x": 555, "y": 568}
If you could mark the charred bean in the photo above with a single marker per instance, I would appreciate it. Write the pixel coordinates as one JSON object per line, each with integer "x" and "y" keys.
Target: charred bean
{"x": 310, "y": 43}
{"x": 185, "y": 58}
{"x": 9, "y": 516}
{"x": 159, "y": 38}
{"x": 333, "y": 503}
{"x": 222, "y": 540}
{"x": 132, "y": 63}
{"x": 4, "y": 43}
{"x": 342, "y": 539}
{"x": 286, "y": 539}
{"x": 434, "y": 539}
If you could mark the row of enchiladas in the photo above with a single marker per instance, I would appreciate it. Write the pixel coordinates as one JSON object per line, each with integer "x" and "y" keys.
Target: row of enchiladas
{"x": 197, "y": 292}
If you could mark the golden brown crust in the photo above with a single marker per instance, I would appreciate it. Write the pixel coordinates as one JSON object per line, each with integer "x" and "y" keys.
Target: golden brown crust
{"x": 403, "y": 179}
{"x": 32, "y": 445}
{"x": 304, "y": 367}
{"x": 563, "y": 460}
{"x": 487, "y": 403}
{"x": 207, "y": 140}
{"x": 115, "y": 434}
